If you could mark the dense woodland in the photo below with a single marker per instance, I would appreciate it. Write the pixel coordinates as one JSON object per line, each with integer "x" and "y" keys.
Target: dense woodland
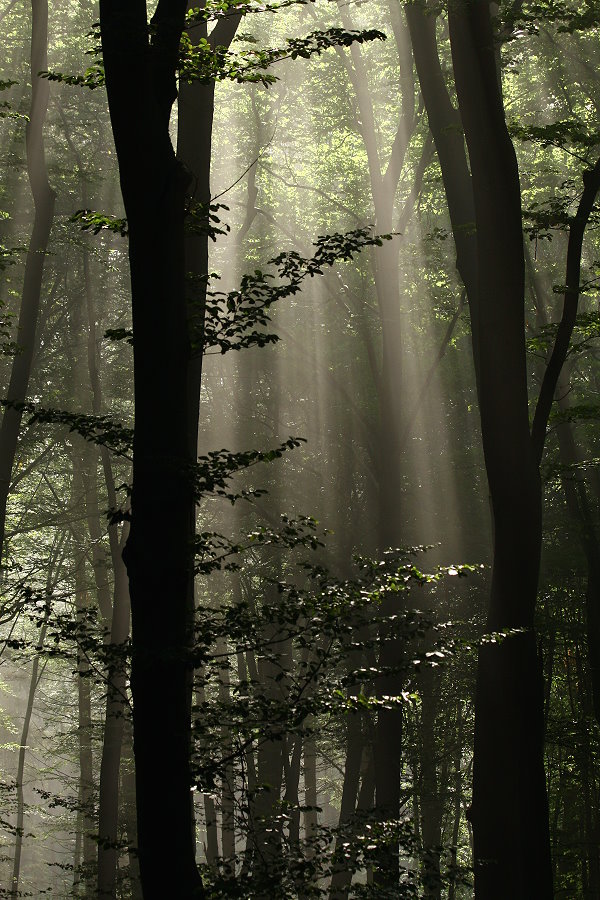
{"x": 299, "y": 478}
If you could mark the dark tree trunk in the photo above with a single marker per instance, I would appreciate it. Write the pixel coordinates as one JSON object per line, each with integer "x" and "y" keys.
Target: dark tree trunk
{"x": 431, "y": 796}
{"x": 140, "y": 80}
{"x": 228, "y": 777}
{"x": 341, "y": 878}
{"x": 509, "y": 811}
{"x": 445, "y": 124}
{"x": 310, "y": 785}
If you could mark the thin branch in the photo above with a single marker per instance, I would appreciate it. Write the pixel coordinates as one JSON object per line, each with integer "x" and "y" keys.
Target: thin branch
{"x": 591, "y": 181}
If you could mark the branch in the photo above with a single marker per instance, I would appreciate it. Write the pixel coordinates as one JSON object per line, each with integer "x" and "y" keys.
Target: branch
{"x": 591, "y": 181}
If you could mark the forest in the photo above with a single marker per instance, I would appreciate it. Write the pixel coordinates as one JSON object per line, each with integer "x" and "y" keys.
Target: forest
{"x": 299, "y": 479}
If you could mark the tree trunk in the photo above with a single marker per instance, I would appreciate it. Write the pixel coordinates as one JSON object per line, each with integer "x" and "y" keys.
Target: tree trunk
{"x": 445, "y": 124}
{"x": 342, "y": 876}
{"x": 128, "y": 792}
{"x": 84, "y": 730}
{"x": 43, "y": 198}
{"x": 431, "y": 801}
{"x": 228, "y": 779}
{"x": 116, "y": 711}
{"x": 33, "y": 683}
{"x": 158, "y": 554}
{"x": 510, "y": 810}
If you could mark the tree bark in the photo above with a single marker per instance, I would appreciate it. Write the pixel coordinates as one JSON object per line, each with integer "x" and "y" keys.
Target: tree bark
{"x": 114, "y": 723}
{"x": 43, "y": 198}
{"x": 33, "y": 684}
{"x": 510, "y": 810}
{"x": 140, "y": 81}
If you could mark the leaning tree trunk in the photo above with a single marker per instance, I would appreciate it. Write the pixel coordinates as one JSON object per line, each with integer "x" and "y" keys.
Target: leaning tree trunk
{"x": 140, "y": 80}
{"x": 509, "y": 810}
{"x": 43, "y": 198}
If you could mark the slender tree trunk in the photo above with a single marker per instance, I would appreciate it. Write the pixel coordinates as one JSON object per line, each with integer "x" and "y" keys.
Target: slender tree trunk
{"x": 34, "y": 681}
{"x": 342, "y": 876}
{"x": 43, "y": 198}
{"x": 446, "y": 128}
{"x": 228, "y": 779}
{"x": 311, "y": 819}
{"x": 291, "y": 797}
{"x": 211, "y": 846}
{"x": 116, "y": 711}
{"x": 86, "y": 764}
{"x": 266, "y": 812}
{"x": 457, "y": 795}
{"x": 128, "y": 792}
{"x": 430, "y": 799}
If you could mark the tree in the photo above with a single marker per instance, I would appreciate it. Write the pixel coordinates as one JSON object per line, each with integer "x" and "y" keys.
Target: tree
{"x": 140, "y": 63}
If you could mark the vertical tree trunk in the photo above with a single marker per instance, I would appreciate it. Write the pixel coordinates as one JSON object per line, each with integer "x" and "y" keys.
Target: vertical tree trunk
{"x": 43, "y": 198}
{"x": 445, "y": 124}
{"x": 457, "y": 796}
{"x": 510, "y": 811}
{"x": 211, "y": 845}
{"x": 116, "y": 711}
{"x": 430, "y": 800}
{"x": 341, "y": 878}
{"x": 228, "y": 779}
{"x": 128, "y": 792}
{"x": 84, "y": 730}
{"x": 310, "y": 786}
{"x": 158, "y": 554}
{"x": 33, "y": 684}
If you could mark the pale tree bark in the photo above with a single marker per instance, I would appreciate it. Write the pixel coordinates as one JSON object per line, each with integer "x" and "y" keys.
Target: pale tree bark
{"x": 53, "y": 571}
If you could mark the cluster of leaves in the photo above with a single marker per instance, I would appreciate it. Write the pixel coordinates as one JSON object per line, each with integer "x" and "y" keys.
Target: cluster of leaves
{"x": 211, "y": 473}
{"x": 542, "y": 218}
{"x": 88, "y": 220}
{"x": 232, "y": 318}
{"x": 581, "y": 412}
{"x": 333, "y": 631}
{"x": 6, "y": 109}
{"x": 100, "y": 430}
{"x": 8, "y": 347}
{"x": 215, "y": 552}
{"x": 219, "y": 9}
{"x": 8, "y": 256}
{"x": 93, "y": 77}
{"x": 586, "y": 329}
{"x": 565, "y": 133}
{"x": 200, "y": 219}
{"x": 205, "y": 219}
{"x": 567, "y": 17}
{"x": 333, "y": 627}
{"x": 304, "y": 870}
{"x": 204, "y": 63}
